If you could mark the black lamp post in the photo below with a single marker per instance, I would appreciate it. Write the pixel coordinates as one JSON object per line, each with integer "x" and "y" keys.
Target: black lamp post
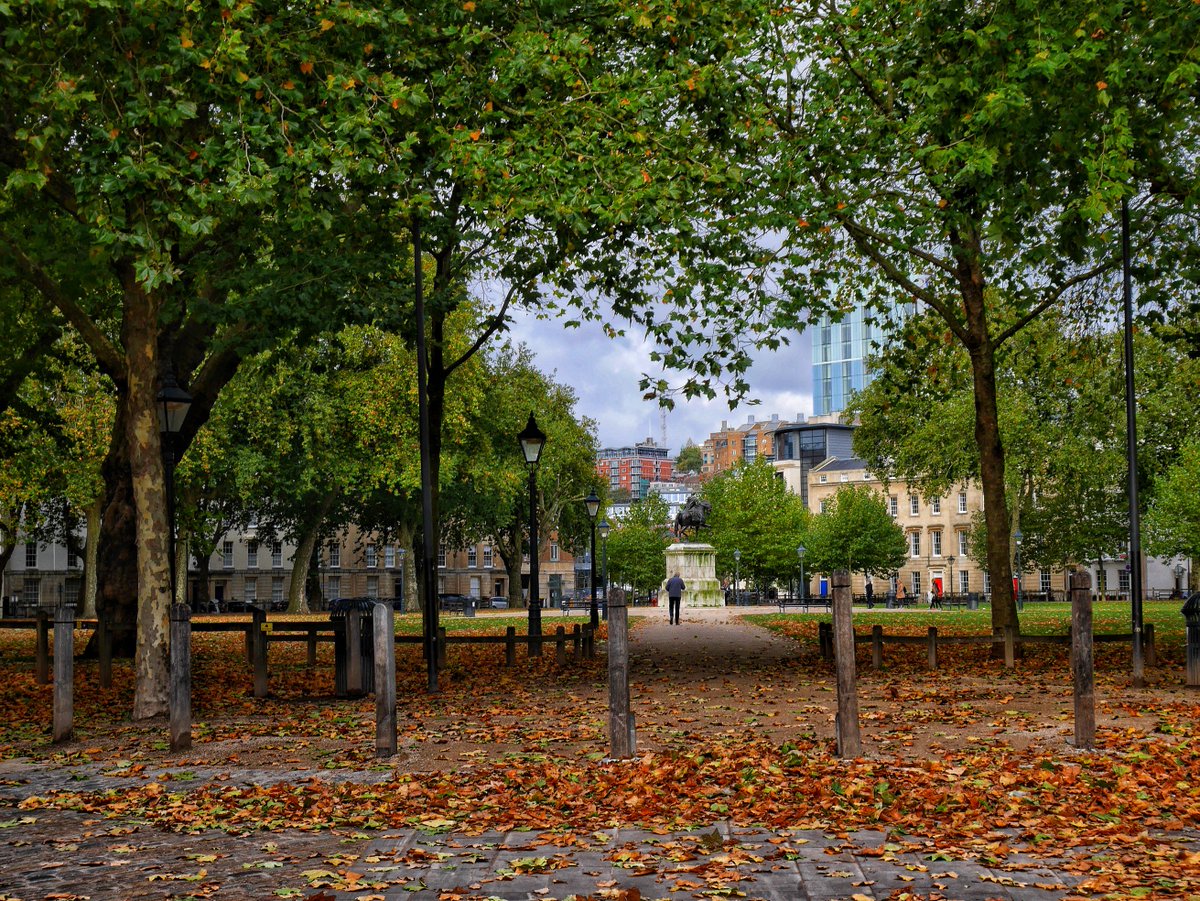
{"x": 532, "y": 441}
{"x": 951, "y": 561}
{"x": 800, "y": 552}
{"x": 603, "y": 529}
{"x": 1017, "y": 536}
{"x": 737, "y": 560}
{"x": 592, "y": 503}
{"x": 1179, "y": 586}
{"x": 173, "y": 406}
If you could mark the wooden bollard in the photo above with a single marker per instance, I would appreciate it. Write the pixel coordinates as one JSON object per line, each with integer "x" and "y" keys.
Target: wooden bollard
{"x": 258, "y": 642}
{"x": 576, "y": 642}
{"x": 180, "y": 696}
{"x": 42, "y": 661}
{"x": 510, "y": 646}
{"x": 560, "y": 646}
{"x": 312, "y": 646}
{"x": 622, "y": 739}
{"x": 64, "y": 672}
{"x": 877, "y": 647}
{"x": 104, "y": 648}
{"x": 825, "y": 640}
{"x": 441, "y": 647}
{"x": 589, "y": 642}
{"x": 1148, "y": 645}
{"x": 385, "y": 680}
{"x": 932, "y": 647}
{"x": 849, "y": 735}
{"x": 1082, "y": 664}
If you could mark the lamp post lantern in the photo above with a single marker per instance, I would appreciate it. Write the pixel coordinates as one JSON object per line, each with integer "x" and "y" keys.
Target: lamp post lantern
{"x": 592, "y": 503}
{"x": 800, "y": 552}
{"x": 173, "y": 406}
{"x": 1018, "y": 537}
{"x": 603, "y": 529}
{"x": 737, "y": 560}
{"x": 532, "y": 441}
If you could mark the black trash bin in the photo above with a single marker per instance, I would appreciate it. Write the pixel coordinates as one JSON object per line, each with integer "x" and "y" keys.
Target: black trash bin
{"x": 1191, "y": 614}
{"x": 341, "y": 609}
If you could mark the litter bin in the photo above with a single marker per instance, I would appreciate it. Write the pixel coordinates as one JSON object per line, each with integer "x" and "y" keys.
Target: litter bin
{"x": 344, "y": 610}
{"x": 469, "y": 606}
{"x": 8, "y": 608}
{"x": 972, "y": 601}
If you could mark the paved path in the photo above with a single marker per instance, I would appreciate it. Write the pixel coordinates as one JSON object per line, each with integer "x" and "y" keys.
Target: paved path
{"x": 65, "y": 855}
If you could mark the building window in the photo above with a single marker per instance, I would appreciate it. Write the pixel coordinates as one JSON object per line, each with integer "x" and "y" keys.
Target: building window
{"x": 389, "y": 556}
{"x": 962, "y": 544}
{"x": 1044, "y": 581}
{"x": 962, "y": 502}
{"x": 964, "y": 582}
{"x": 916, "y": 585}
{"x": 553, "y": 551}
{"x": 472, "y": 558}
{"x": 935, "y": 505}
{"x": 277, "y": 590}
{"x": 335, "y": 586}
{"x": 914, "y": 544}
{"x": 227, "y": 554}
{"x": 487, "y": 556}
{"x": 31, "y": 555}
{"x": 824, "y": 505}
{"x": 1123, "y": 579}
{"x": 935, "y": 543}
{"x": 250, "y": 591}
{"x": 72, "y": 558}
{"x": 372, "y": 557}
{"x": 372, "y": 586}
{"x": 252, "y": 554}
{"x": 894, "y": 506}
{"x": 442, "y": 557}
{"x": 335, "y": 555}
{"x": 987, "y": 583}
{"x": 31, "y": 591}
{"x": 823, "y": 479}
{"x": 914, "y": 505}
{"x": 277, "y": 555}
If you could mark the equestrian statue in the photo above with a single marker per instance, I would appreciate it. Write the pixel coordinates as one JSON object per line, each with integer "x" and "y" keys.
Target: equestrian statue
{"x": 693, "y": 517}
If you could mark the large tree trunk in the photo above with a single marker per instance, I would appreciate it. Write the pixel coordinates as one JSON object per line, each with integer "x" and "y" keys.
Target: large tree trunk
{"x": 297, "y": 596}
{"x": 153, "y": 589}
{"x": 987, "y": 437}
{"x": 95, "y": 513}
{"x": 116, "y": 563}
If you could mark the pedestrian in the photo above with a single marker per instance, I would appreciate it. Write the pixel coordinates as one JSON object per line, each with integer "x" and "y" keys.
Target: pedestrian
{"x": 870, "y": 590}
{"x": 901, "y": 594}
{"x": 675, "y": 588}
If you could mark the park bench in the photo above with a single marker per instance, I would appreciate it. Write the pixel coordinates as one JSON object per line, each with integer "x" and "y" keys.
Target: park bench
{"x": 784, "y": 602}
{"x": 584, "y": 603}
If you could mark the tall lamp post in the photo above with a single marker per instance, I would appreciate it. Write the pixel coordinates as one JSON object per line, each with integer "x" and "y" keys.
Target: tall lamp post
{"x": 532, "y": 441}
{"x": 1179, "y": 580}
{"x": 737, "y": 561}
{"x": 950, "y": 560}
{"x": 173, "y": 406}
{"x": 592, "y": 503}
{"x": 800, "y": 552}
{"x": 1017, "y": 537}
{"x": 603, "y": 529}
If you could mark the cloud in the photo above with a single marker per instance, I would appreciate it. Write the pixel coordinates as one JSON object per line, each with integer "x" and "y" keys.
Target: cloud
{"x": 604, "y": 373}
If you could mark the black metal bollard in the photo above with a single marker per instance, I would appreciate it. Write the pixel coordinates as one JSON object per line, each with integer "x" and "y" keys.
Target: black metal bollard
{"x": 1191, "y": 613}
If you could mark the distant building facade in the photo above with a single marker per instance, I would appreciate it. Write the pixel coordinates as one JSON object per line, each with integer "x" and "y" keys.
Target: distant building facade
{"x": 634, "y": 468}
{"x": 730, "y": 445}
{"x": 840, "y": 351}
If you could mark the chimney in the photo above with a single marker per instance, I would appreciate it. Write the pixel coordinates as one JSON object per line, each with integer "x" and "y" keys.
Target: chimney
{"x": 774, "y": 417}
{"x": 749, "y": 420}
{"x": 724, "y": 425}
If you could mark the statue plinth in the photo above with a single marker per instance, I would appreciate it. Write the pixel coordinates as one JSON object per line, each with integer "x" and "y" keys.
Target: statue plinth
{"x": 696, "y": 564}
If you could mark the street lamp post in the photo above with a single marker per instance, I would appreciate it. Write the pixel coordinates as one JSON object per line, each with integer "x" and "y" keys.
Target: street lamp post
{"x": 173, "y": 406}
{"x": 592, "y": 503}
{"x": 1179, "y": 586}
{"x": 1017, "y": 536}
{"x": 532, "y": 441}
{"x": 603, "y": 529}
{"x": 950, "y": 559}
{"x": 800, "y": 552}
{"x": 737, "y": 560}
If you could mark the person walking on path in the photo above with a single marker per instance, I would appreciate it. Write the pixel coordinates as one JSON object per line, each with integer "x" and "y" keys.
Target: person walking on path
{"x": 870, "y": 590}
{"x": 675, "y": 589}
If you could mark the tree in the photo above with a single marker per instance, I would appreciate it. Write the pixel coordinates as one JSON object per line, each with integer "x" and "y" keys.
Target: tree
{"x": 856, "y": 533}
{"x": 637, "y": 545}
{"x": 955, "y": 155}
{"x": 690, "y": 458}
{"x": 753, "y": 511}
{"x": 1173, "y": 521}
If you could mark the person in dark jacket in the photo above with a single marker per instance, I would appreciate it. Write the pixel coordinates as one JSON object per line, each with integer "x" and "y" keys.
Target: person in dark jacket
{"x": 675, "y": 588}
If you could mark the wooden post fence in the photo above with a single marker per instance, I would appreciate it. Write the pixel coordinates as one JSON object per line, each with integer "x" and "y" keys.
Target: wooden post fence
{"x": 1082, "y": 664}
{"x": 560, "y": 646}
{"x": 42, "y": 663}
{"x": 385, "y": 680}
{"x": 258, "y": 644}
{"x": 104, "y": 648}
{"x": 621, "y": 735}
{"x": 180, "y": 695}
{"x": 64, "y": 671}
{"x": 849, "y": 736}
{"x": 877, "y": 647}
{"x": 932, "y": 647}
{"x": 510, "y": 646}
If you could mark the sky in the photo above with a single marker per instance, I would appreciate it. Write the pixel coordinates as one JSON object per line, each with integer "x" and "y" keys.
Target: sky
{"x": 604, "y": 373}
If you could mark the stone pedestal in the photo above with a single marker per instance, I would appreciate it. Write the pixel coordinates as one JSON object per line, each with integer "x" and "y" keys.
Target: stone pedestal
{"x": 697, "y": 566}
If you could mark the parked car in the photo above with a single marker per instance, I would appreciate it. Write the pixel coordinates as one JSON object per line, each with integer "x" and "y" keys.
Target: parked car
{"x": 454, "y": 602}
{"x": 498, "y": 602}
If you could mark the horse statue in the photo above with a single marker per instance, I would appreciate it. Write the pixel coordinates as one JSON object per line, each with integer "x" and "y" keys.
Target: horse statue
{"x": 692, "y": 516}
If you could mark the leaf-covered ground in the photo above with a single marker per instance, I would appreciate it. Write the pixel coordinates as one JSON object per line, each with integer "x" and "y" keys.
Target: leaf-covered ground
{"x": 733, "y": 725}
